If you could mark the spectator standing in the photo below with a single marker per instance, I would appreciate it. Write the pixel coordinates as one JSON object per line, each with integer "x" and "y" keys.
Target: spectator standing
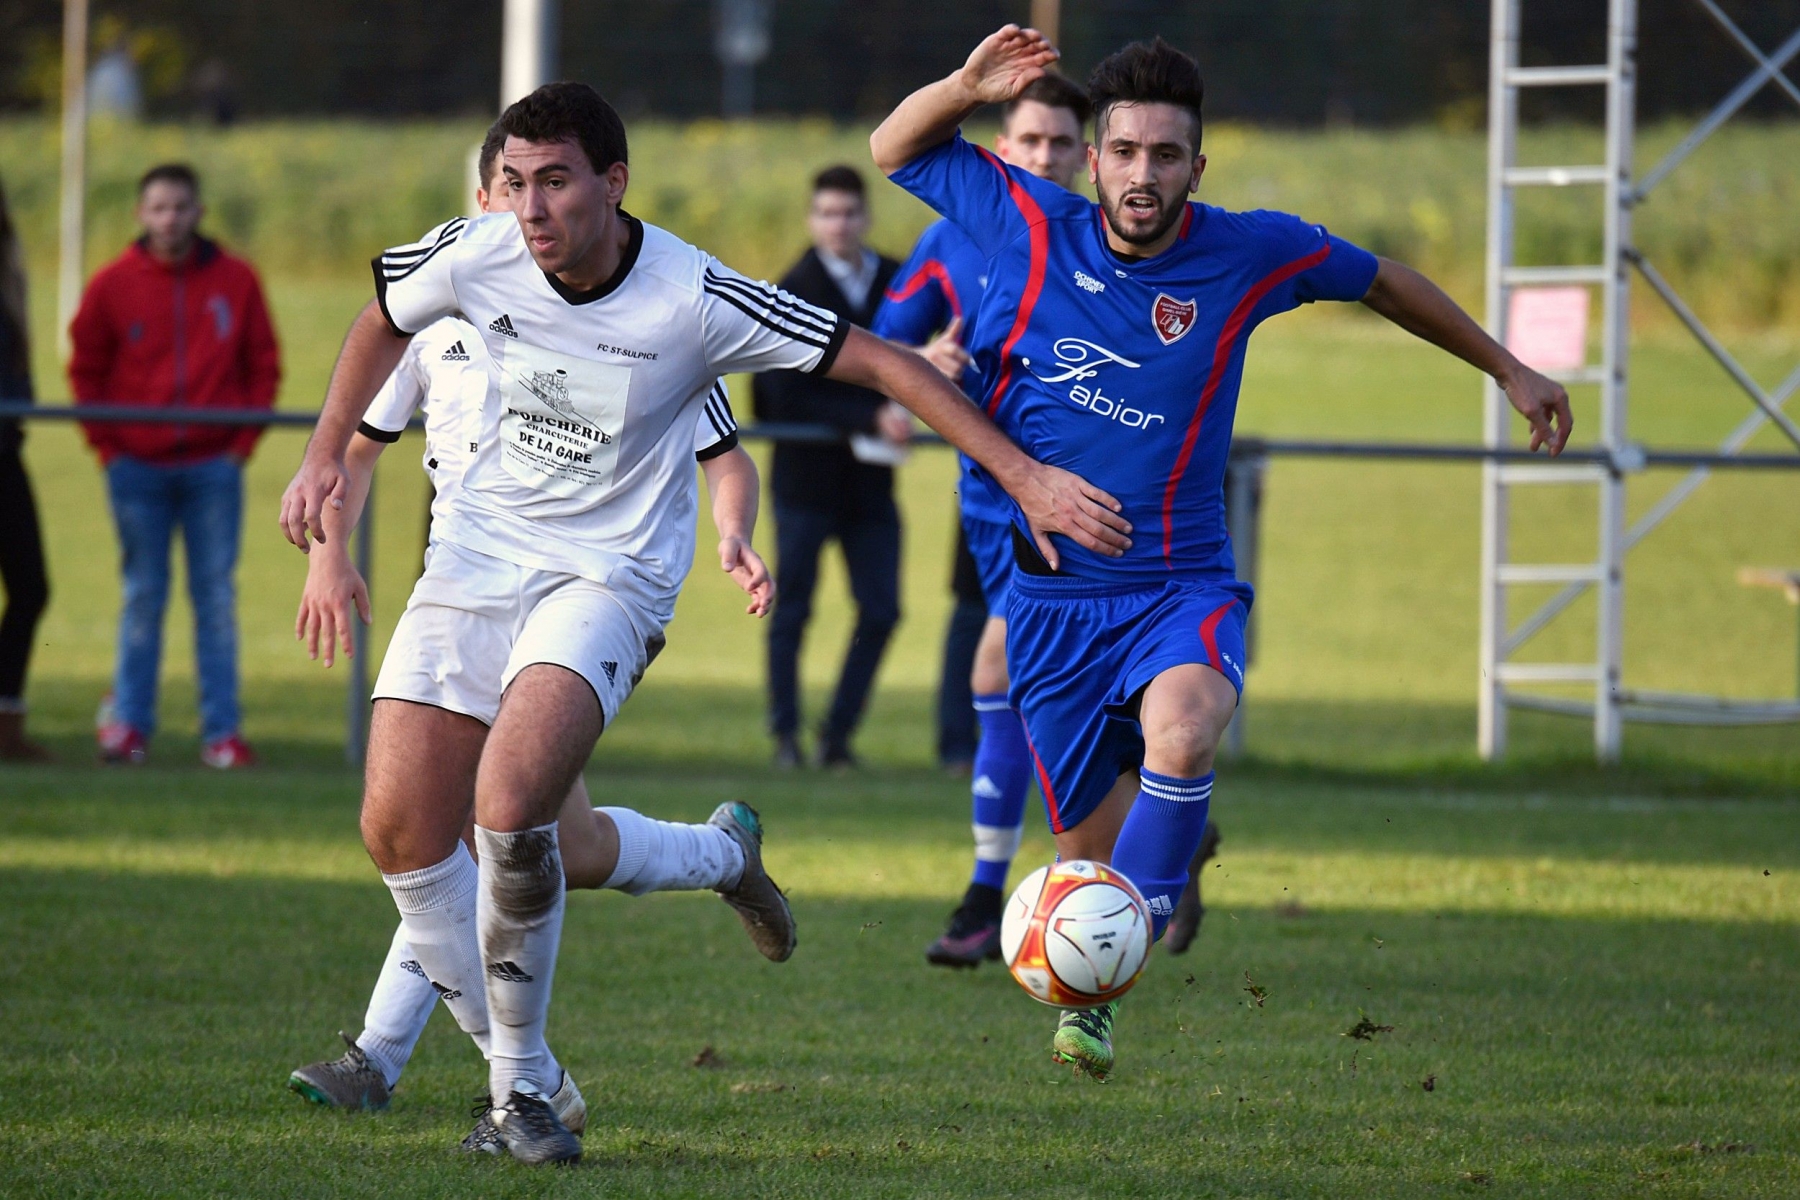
{"x": 175, "y": 323}
{"x": 841, "y": 490}
{"x": 21, "y": 541}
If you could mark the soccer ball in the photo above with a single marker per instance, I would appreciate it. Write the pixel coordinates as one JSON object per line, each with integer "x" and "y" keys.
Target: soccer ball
{"x": 1075, "y": 934}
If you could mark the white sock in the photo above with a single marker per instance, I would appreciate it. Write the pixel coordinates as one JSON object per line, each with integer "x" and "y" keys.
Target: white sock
{"x": 520, "y": 917}
{"x": 437, "y": 911}
{"x": 399, "y": 1007}
{"x": 667, "y": 856}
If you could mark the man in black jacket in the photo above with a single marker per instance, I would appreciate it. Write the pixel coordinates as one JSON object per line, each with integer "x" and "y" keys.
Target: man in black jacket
{"x": 840, "y": 489}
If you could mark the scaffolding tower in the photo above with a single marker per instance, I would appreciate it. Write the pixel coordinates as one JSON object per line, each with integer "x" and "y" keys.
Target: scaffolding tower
{"x": 1503, "y": 676}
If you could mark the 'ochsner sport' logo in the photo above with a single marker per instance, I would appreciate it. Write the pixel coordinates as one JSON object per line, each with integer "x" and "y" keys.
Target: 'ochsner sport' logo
{"x": 1078, "y": 360}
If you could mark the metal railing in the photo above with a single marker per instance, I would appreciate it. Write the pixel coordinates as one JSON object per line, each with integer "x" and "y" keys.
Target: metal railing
{"x": 1249, "y": 462}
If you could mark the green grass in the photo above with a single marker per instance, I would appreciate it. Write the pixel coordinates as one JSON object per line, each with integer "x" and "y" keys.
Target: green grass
{"x": 1595, "y": 986}
{"x": 319, "y": 197}
{"x": 1593, "y": 964}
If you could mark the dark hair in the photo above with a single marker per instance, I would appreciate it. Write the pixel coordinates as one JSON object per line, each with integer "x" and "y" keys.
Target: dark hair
{"x": 568, "y": 112}
{"x": 840, "y": 178}
{"x": 491, "y": 146}
{"x": 179, "y": 173}
{"x": 1052, "y": 91}
{"x": 1152, "y": 72}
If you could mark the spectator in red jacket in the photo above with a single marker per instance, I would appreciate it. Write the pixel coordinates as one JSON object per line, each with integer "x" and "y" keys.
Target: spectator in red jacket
{"x": 175, "y": 323}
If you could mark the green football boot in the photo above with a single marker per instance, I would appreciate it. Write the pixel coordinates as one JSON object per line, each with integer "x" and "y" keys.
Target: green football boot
{"x": 1084, "y": 1040}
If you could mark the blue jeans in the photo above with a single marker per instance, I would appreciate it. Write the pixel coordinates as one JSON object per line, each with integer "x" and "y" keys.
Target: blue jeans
{"x": 206, "y": 499}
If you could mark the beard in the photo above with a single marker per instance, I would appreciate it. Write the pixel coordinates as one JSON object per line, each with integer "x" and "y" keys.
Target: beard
{"x": 1167, "y": 213}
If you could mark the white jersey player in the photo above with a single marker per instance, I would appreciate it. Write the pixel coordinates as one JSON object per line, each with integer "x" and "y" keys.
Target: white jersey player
{"x": 444, "y": 374}
{"x": 561, "y": 551}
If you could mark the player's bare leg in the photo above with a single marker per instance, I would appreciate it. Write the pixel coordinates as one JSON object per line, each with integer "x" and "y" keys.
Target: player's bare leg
{"x": 1150, "y": 825}
{"x": 418, "y": 792}
{"x": 548, "y": 723}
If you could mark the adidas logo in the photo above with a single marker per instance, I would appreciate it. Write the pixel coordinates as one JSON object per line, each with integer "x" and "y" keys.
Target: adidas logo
{"x": 1159, "y": 906}
{"x": 447, "y": 994}
{"x": 986, "y": 788}
{"x": 456, "y": 353}
{"x": 509, "y": 972}
{"x": 503, "y": 326}
{"x": 612, "y": 671}
{"x": 413, "y": 966}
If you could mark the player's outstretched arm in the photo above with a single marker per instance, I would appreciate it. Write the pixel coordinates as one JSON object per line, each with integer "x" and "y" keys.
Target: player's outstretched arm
{"x": 1420, "y": 307}
{"x": 1053, "y": 500}
{"x": 334, "y": 588}
{"x": 732, "y": 480}
{"x": 371, "y": 351}
{"x": 999, "y": 69}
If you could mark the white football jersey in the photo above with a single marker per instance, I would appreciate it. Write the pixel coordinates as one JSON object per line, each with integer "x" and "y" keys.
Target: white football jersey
{"x": 583, "y": 451}
{"x": 444, "y": 372}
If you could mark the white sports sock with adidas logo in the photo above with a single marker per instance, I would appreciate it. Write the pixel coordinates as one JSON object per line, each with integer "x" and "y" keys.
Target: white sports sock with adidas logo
{"x": 399, "y": 1008}
{"x": 668, "y": 856}
{"x": 519, "y": 916}
{"x": 437, "y": 911}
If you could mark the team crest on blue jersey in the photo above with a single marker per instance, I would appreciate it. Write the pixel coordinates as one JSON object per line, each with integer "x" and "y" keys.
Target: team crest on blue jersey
{"x": 1172, "y": 318}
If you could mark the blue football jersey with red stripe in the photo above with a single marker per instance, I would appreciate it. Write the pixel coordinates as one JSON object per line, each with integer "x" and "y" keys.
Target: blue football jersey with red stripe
{"x": 1126, "y": 371}
{"x": 945, "y": 277}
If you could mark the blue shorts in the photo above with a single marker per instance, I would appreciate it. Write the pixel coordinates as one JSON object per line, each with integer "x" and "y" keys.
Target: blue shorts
{"x": 991, "y": 546}
{"x": 1081, "y": 653}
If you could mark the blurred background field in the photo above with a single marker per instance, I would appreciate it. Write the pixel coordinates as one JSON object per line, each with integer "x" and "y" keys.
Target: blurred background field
{"x": 1367, "y": 616}
{"x": 315, "y": 199}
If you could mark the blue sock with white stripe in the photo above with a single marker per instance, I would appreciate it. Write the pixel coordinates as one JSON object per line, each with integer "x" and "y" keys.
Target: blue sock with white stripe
{"x": 1159, "y": 838}
{"x": 1002, "y": 777}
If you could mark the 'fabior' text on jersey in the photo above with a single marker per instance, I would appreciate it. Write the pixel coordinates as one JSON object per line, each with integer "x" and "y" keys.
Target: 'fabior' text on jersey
{"x": 1126, "y": 371}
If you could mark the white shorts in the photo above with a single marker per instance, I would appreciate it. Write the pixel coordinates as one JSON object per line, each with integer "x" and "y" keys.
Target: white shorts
{"x": 475, "y": 621}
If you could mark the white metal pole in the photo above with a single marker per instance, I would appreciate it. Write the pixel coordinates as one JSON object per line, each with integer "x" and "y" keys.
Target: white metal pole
{"x": 1621, "y": 121}
{"x": 1503, "y": 53}
{"x": 70, "y": 270}
{"x": 527, "y": 48}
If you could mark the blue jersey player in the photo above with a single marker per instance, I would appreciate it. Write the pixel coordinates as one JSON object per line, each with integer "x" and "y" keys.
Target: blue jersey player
{"x": 932, "y": 304}
{"x": 1111, "y": 342}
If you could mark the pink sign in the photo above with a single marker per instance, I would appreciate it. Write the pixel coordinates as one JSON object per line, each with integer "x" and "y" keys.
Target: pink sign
{"x": 1547, "y": 327}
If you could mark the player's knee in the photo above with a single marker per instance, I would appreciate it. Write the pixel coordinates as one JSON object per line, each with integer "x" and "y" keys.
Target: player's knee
{"x": 386, "y": 840}
{"x": 990, "y": 675}
{"x": 1183, "y": 748}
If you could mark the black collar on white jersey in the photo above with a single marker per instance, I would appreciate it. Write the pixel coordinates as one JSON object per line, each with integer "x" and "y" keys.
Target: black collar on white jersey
{"x": 626, "y": 262}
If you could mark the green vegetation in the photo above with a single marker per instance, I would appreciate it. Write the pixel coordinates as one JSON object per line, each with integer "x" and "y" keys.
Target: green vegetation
{"x": 319, "y": 198}
{"x": 1593, "y": 968}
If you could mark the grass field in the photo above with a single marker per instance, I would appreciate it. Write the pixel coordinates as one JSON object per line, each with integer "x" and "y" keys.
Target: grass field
{"x": 1599, "y": 988}
{"x": 1596, "y": 968}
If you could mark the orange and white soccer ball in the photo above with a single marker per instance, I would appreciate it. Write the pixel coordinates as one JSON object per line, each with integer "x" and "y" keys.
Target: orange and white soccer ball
{"x": 1076, "y": 934}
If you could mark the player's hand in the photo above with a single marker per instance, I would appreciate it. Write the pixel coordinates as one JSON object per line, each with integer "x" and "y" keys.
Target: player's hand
{"x": 1544, "y": 404}
{"x": 1005, "y": 63}
{"x": 946, "y": 353}
{"x": 894, "y": 423}
{"x": 1056, "y": 501}
{"x": 333, "y": 589}
{"x": 748, "y": 571}
{"x": 319, "y": 482}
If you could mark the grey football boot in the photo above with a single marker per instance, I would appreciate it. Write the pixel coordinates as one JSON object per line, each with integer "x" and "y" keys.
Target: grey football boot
{"x": 568, "y": 1105}
{"x": 351, "y": 1081}
{"x": 759, "y": 903}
